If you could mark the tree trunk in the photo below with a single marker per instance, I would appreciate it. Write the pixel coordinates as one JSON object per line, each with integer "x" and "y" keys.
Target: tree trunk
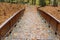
{"x": 2, "y": 0}
{"x": 32, "y": 2}
{"x": 42, "y": 3}
{"x": 55, "y": 3}
{"x": 28, "y": 1}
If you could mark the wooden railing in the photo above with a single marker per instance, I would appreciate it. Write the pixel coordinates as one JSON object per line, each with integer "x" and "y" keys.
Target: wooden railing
{"x": 7, "y": 26}
{"x": 54, "y": 23}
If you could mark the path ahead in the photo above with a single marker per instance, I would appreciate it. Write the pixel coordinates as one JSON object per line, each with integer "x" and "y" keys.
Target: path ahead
{"x": 32, "y": 27}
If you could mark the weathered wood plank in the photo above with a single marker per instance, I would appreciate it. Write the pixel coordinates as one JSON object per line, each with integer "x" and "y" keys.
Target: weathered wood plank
{"x": 9, "y": 25}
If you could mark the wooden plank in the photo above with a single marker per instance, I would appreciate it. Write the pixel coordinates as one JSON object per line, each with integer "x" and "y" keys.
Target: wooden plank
{"x": 58, "y": 29}
{"x": 5, "y": 29}
{"x": 53, "y": 23}
{"x": 57, "y": 19}
{"x": 9, "y": 25}
{"x": 46, "y": 16}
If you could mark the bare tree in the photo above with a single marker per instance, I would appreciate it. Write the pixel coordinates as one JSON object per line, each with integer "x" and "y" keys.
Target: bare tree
{"x": 33, "y": 2}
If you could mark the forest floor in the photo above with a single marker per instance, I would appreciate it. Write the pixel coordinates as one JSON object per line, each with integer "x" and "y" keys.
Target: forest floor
{"x": 32, "y": 26}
